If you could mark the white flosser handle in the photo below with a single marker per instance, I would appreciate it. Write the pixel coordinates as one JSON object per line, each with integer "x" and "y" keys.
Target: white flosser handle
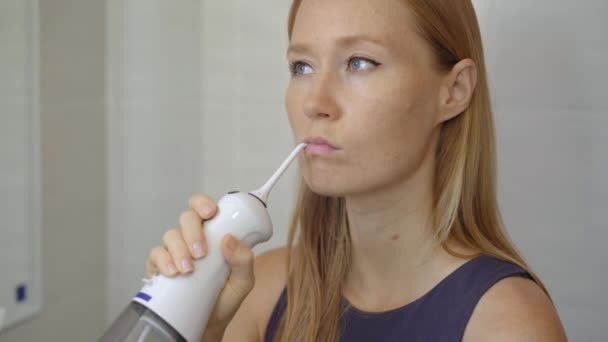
{"x": 186, "y": 301}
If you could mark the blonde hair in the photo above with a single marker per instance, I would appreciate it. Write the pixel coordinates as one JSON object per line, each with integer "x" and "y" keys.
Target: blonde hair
{"x": 464, "y": 192}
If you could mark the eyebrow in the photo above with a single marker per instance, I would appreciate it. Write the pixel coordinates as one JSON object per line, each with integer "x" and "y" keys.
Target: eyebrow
{"x": 343, "y": 42}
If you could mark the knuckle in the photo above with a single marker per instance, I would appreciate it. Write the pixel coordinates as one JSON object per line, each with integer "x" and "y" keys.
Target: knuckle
{"x": 201, "y": 200}
{"x": 250, "y": 284}
{"x": 193, "y": 231}
{"x": 150, "y": 271}
{"x": 170, "y": 235}
{"x": 186, "y": 217}
{"x": 248, "y": 257}
{"x": 198, "y": 200}
{"x": 178, "y": 249}
{"x": 153, "y": 261}
{"x": 155, "y": 253}
{"x": 241, "y": 287}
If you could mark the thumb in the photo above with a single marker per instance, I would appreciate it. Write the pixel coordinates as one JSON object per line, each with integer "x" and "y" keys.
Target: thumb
{"x": 240, "y": 258}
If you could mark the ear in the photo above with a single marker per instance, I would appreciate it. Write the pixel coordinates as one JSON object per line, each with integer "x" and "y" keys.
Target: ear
{"x": 457, "y": 88}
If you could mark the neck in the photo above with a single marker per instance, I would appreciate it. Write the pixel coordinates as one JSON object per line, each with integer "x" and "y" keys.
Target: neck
{"x": 393, "y": 242}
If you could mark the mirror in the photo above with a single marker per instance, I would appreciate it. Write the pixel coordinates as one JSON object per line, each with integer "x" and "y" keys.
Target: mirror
{"x": 20, "y": 176}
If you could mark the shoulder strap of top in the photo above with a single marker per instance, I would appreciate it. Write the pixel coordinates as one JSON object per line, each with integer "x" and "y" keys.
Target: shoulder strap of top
{"x": 452, "y": 305}
{"x": 277, "y": 313}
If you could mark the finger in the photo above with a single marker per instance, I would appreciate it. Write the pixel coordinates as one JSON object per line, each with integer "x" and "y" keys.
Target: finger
{"x": 175, "y": 244}
{"x": 192, "y": 230}
{"x": 160, "y": 260}
{"x": 240, "y": 258}
{"x": 203, "y": 205}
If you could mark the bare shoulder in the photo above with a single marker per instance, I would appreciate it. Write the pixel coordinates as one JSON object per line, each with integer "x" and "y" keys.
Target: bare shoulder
{"x": 270, "y": 269}
{"x": 515, "y": 309}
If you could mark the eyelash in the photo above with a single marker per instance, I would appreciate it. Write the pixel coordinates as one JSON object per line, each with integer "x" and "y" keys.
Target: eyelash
{"x": 293, "y": 65}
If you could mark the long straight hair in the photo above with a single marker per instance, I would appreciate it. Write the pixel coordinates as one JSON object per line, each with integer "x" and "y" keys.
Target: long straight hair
{"x": 464, "y": 189}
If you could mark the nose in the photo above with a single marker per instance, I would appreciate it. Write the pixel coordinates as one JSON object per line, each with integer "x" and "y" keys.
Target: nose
{"x": 321, "y": 101}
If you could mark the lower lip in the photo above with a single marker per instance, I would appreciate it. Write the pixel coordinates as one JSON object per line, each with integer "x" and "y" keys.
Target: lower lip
{"x": 320, "y": 149}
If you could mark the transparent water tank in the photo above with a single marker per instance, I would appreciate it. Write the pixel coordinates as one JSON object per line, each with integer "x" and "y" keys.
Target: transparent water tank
{"x": 137, "y": 323}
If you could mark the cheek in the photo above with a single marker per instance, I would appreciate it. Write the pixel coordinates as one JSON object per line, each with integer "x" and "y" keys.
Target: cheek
{"x": 394, "y": 116}
{"x": 291, "y": 106}
{"x": 410, "y": 106}
{"x": 396, "y": 127}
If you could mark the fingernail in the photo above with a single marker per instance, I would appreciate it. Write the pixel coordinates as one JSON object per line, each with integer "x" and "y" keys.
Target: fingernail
{"x": 186, "y": 264}
{"x": 172, "y": 269}
{"x": 197, "y": 248}
{"x": 231, "y": 243}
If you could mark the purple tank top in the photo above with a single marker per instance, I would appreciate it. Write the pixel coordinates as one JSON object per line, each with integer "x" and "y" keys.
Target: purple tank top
{"x": 440, "y": 315}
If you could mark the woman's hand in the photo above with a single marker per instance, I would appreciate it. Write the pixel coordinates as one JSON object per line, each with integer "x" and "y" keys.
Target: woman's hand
{"x": 187, "y": 242}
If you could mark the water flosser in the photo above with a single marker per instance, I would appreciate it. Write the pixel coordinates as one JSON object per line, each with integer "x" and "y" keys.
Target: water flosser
{"x": 178, "y": 308}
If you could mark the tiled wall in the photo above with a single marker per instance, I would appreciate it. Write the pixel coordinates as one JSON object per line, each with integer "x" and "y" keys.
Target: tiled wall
{"x": 195, "y": 105}
{"x": 246, "y": 134}
{"x": 153, "y": 102}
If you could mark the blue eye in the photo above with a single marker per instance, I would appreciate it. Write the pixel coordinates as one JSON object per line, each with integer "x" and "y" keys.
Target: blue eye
{"x": 299, "y": 68}
{"x": 361, "y": 63}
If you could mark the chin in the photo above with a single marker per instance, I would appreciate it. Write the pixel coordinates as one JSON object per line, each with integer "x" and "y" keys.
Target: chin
{"x": 327, "y": 192}
{"x": 328, "y": 188}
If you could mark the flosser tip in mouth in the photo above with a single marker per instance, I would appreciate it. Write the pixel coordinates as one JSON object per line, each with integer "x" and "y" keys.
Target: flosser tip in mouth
{"x": 319, "y": 146}
{"x": 319, "y": 141}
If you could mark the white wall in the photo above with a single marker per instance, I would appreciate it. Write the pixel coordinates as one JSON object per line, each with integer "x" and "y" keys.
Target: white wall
{"x": 548, "y": 66}
{"x": 186, "y": 115}
{"x": 153, "y": 131}
{"x": 191, "y": 83}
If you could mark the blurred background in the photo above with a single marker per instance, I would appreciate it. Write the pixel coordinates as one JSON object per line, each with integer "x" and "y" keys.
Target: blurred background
{"x": 113, "y": 113}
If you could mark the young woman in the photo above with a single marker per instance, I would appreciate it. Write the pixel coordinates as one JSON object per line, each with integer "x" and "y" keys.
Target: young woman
{"x": 396, "y": 235}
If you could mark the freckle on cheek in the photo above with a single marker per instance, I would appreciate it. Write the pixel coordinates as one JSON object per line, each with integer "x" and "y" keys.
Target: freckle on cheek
{"x": 395, "y": 237}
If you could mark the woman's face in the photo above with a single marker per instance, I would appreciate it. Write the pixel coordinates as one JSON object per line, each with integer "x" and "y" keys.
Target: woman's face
{"x": 363, "y": 80}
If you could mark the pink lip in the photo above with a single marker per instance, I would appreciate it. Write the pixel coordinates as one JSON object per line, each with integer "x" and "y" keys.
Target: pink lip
{"x": 319, "y": 146}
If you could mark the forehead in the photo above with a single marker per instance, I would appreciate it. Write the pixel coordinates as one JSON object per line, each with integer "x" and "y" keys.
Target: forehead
{"x": 387, "y": 21}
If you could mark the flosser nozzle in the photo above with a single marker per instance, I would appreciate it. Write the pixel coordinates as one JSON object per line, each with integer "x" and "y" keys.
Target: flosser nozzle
{"x": 262, "y": 193}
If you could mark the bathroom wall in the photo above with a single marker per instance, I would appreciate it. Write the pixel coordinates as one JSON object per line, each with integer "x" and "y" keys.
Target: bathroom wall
{"x": 72, "y": 108}
{"x": 154, "y": 139}
{"x": 548, "y": 66}
{"x": 195, "y": 105}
